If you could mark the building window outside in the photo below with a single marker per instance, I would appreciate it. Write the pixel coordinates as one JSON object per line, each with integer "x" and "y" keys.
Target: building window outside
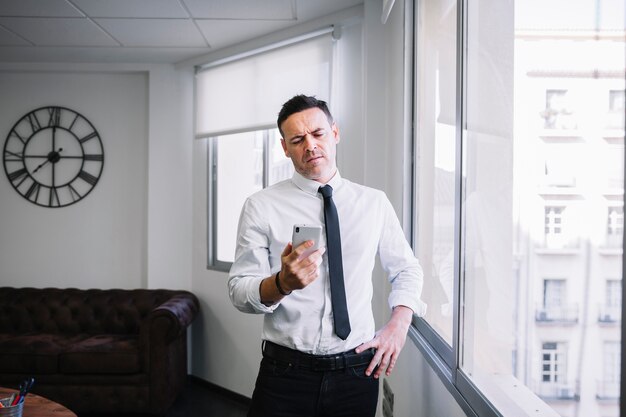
{"x": 608, "y": 386}
{"x": 554, "y": 379}
{"x": 555, "y": 306}
{"x": 611, "y": 308}
{"x": 558, "y": 112}
{"x": 554, "y": 221}
{"x": 615, "y": 226}
{"x": 553, "y": 363}
{"x": 616, "y": 109}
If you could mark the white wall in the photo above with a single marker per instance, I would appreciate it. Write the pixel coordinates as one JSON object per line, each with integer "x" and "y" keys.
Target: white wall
{"x": 133, "y": 230}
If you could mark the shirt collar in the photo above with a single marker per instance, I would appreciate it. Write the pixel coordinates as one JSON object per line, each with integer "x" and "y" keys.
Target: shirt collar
{"x": 312, "y": 186}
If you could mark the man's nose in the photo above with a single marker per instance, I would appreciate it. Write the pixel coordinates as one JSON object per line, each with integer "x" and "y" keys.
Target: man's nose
{"x": 309, "y": 143}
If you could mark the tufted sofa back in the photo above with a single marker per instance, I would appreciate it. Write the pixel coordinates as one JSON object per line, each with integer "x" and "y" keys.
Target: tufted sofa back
{"x": 72, "y": 311}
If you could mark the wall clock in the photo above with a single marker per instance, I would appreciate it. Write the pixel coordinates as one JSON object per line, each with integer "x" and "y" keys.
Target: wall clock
{"x": 53, "y": 156}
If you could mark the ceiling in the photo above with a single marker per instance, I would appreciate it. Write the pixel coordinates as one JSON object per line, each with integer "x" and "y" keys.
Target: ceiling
{"x": 143, "y": 30}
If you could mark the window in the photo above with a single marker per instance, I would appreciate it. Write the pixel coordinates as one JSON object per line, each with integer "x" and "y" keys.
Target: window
{"x": 510, "y": 224}
{"x": 554, "y": 221}
{"x": 608, "y": 386}
{"x": 615, "y": 116}
{"x": 241, "y": 164}
{"x": 615, "y": 226}
{"x": 558, "y": 113}
{"x": 237, "y": 102}
{"x": 436, "y": 162}
{"x": 555, "y": 306}
{"x": 554, "y": 383}
{"x": 611, "y": 308}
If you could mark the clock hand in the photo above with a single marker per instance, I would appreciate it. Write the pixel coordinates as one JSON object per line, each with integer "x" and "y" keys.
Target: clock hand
{"x": 52, "y": 157}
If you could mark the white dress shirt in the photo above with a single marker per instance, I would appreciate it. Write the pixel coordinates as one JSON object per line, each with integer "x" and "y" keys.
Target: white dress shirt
{"x": 368, "y": 225}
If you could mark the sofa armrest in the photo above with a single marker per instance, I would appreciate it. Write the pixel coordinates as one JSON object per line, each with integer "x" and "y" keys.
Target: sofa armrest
{"x": 172, "y": 317}
{"x": 176, "y": 314}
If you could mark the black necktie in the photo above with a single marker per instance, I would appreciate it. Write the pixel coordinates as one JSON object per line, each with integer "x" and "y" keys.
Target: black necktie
{"x": 335, "y": 264}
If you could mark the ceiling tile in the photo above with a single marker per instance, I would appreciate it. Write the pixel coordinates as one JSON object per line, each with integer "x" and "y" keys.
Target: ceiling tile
{"x": 98, "y": 55}
{"x": 308, "y": 9}
{"x": 154, "y": 32}
{"x": 222, "y": 33}
{"x": 58, "y": 31}
{"x": 132, "y": 8}
{"x": 9, "y": 39}
{"x": 34, "y": 8}
{"x": 242, "y": 9}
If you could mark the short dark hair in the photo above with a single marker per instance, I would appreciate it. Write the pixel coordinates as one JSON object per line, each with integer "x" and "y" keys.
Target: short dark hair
{"x": 300, "y": 103}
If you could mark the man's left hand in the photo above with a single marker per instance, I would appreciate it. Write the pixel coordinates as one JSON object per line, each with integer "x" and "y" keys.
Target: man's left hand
{"x": 388, "y": 342}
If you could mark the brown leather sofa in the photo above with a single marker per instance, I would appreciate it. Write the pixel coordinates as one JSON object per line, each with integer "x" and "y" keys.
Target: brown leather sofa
{"x": 97, "y": 351}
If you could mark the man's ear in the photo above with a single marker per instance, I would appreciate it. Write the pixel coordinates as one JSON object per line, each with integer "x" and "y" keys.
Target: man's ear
{"x": 284, "y": 145}
{"x": 335, "y": 131}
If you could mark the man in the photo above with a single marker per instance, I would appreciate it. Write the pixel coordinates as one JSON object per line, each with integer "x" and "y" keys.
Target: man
{"x": 318, "y": 360}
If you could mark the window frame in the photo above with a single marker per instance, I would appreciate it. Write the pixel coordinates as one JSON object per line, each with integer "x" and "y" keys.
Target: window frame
{"x": 213, "y": 262}
{"x": 443, "y": 358}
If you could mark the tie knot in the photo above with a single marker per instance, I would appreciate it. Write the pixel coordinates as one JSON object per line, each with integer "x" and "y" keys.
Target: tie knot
{"x": 326, "y": 190}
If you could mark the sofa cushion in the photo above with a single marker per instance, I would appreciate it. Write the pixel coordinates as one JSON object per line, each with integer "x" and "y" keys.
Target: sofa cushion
{"x": 33, "y": 352}
{"x": 102, "y": 354}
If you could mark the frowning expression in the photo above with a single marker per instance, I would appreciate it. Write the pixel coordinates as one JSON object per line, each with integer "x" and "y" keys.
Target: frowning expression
{"x": 311, "y": 142}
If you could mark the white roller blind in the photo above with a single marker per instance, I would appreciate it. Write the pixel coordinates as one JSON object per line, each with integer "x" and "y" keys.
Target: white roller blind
{"x": 247, "y": 94}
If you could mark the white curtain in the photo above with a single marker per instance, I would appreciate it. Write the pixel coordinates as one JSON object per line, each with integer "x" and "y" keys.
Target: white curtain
{"x": 247, "y": 94}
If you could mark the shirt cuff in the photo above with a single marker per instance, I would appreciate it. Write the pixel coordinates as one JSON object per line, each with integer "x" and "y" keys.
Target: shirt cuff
{"x": 417, "y": 305}
{"x": 254, "y": 296}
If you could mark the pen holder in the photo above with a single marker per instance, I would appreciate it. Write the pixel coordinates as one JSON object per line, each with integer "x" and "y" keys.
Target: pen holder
{"x": 15, "y": 411}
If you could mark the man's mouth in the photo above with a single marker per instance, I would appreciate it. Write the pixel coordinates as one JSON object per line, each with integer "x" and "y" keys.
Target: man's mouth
{"x": 313, "y": 158}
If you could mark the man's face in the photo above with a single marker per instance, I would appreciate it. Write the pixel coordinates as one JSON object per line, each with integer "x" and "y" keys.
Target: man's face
{"x": 311, "y": 143}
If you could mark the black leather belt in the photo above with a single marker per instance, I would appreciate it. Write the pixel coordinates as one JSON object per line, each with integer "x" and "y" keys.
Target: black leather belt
{"x": 317, "y": 362}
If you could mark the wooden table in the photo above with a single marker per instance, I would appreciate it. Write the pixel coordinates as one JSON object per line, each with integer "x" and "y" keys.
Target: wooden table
{"x": 37, "y": 406}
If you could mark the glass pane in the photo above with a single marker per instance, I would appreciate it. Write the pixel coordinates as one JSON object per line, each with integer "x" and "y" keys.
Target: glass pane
{"x": 239, "y": 173}
{"x": 543, "y": 187}
{"x": 435, "y": 158}
{"x": 280, "y": 167}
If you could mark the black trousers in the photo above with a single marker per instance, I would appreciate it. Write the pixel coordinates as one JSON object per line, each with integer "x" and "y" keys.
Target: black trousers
{"x": 287, "y": 386}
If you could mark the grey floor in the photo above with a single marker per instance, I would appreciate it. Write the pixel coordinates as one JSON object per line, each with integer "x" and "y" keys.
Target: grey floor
{"x": 203, "y": 400}
{"x": 200, "y": 399}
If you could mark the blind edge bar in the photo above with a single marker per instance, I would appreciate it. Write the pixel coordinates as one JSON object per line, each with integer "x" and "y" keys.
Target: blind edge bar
{"x": 270, "y": 47}
{"x": 244, "y": 129}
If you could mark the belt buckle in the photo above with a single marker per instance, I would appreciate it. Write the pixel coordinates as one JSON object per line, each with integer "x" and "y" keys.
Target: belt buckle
{"x": 332, "y": 363}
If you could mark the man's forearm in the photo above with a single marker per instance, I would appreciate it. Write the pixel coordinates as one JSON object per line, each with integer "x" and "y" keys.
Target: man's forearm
{"x": 401, "y": 316}
{"x": 269, "y": 290}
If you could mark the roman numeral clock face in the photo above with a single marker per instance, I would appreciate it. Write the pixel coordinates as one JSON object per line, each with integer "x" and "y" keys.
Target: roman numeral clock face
{"x": 53, "y": 157}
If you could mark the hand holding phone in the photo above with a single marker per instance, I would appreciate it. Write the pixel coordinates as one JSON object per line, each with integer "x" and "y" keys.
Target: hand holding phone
{"x": 302, "y": 233}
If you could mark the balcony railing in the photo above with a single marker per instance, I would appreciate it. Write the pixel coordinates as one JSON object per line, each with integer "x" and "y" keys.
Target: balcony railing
{"x": 567, "y": 313}
{"x": 561, "y": 241}
{"x": 606, "y": 390}
{"x": 609, "y": 314}
{"x": 557, "y": 390}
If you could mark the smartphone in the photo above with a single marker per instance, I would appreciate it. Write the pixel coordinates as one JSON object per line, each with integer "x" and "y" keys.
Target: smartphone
{"x": 304, "y": 232}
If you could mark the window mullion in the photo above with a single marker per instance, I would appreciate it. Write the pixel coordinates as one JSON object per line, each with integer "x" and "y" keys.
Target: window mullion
{"x": 266, "y": 158}
{"x": 457, "y": 341}
{"x": 211, "y": 200}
